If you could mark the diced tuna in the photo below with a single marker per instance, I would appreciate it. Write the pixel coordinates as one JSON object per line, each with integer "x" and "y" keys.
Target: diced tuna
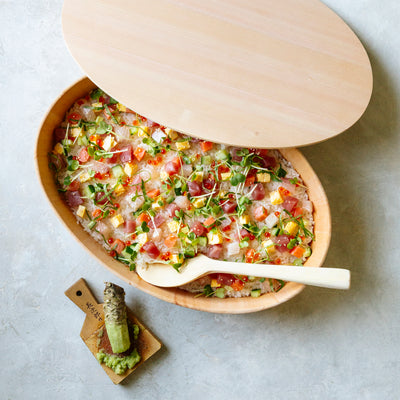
{"x": 198, "y": 229}
{"x": 258, "y": 192}
{"x": 73, "y": 198}
{"x": 214, "y": 251}
{"x": 151, "y": 249}
{"x": 290, "y": 203}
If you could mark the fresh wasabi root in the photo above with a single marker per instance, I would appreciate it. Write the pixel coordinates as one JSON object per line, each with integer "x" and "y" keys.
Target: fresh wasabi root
{"x": 115, "y": 318}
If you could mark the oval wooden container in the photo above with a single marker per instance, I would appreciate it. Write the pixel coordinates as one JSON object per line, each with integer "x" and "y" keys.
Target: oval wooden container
{"x": 316, "y": 193}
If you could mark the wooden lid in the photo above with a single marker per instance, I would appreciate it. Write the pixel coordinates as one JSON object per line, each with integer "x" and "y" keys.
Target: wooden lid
{"x": 263, "y": 73}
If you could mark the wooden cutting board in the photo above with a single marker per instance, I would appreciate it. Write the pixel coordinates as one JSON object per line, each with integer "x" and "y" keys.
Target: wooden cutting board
{"x": 82, "y": 296}
{"x": 261, "y": 73}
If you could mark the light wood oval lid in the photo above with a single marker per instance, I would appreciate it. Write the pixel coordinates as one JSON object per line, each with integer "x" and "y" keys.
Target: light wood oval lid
{"x": 261, "y": 73}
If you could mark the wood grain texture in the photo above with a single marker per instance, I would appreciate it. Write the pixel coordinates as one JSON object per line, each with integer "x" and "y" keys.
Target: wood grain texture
{"x": 82, "y": 296}
{"x": 267, "y": 73}
{"x": 322, "y": 219}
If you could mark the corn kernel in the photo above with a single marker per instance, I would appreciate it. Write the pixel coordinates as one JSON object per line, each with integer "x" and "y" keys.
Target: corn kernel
{"x": 275, "y": 197}
{"x": 201, "y": 202}
{"x": 58, "y": 149}
{"x": 182, "y": 145}
{"x": 291, "y": 228}
{"x": 117, "y": 220}
{"x": 80, "y": 212}
{"x": 263, "y": 177}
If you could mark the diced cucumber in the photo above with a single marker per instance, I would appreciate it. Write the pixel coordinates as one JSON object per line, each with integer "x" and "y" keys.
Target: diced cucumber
{"x": 189, "y": 252}
{"x": 117, "y": 171}
{"x": 134, "y": 130}
{"x": 206, "y": 160}
{"x": 291, "y": 244}
{"x": 89, "y": 191}
{"x": 170, "y": 199}
{"x": 83, "y": 140}
{"x": 220, "y": 292}
{"x": 298, "y": 262}
{"x": 308, "y": 252}
{"x": 202, "y": 241}
{"x": 275, "y": 232}
{"x": 252, "y": 278}
{"x": 255, "y": 293}
{"x": 222, "y": 155}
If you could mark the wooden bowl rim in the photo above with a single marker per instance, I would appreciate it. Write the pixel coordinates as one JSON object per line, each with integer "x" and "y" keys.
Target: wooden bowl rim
{"x": 322, "y": 220}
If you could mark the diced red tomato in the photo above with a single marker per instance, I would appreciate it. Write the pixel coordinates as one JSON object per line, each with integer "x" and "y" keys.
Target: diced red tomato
{"x": 74, "y": 186}
{"x": 83, "y": 155}
{"x": 139, "y": 153}
{"x": 237, "y": 285}
{"x": 151, "y": 249}
{"x": 298, "y": 252}
{"x": 260, "y": 213}
{"x": 74, "y": 118}
{"x": 209, "y": 221}
{"x": 206, "y": 146}
{"x": 249, "y": 180}
{"x": 118, "y": 245}
{"x": 153, "y": 193}
{"x": 143, "y": 217}
{"x": 96, "y": 213}
{"x": 170, "y": 240}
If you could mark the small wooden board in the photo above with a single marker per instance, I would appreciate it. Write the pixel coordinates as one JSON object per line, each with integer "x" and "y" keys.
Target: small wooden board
{"x": 260, "y": 73}
{"x": 82, "y": 296}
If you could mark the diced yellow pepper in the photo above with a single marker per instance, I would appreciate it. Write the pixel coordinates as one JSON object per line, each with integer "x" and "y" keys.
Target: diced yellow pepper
{"x": 142, "y": 238}
{"x": 263, "y": 177}
{"x": 121, "y": 107}
{"x": 173, "y": 226}
{"x": 275, "y": 197}
{"x": 84, "y": 177}
{"x": 201, "y": 202}
{"x": 80, "y": 212}
{"x": 130, "y": 169}
{"x": 58, "y": 149}
{"x": 97, "y": 105}
{"x": 119, "y": 190}
{"x": 214, "y": 283}
{"x": 214, "y": 237}
{"x": 143, "y": 131}
{"x": 171, "y": 133}
{"x": 225, "y": 176}
{"x": 269, "y": 246}
{"x": 198, "y": 176}
{"x": 291, "y": 228}
{"x": 75, "y": 132}
{"x": 180, "y": 146}
{"x": 244, "y": 219}
{"x": 117, "y": 220}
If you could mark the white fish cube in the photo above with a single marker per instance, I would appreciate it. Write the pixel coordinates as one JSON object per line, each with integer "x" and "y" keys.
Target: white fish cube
{"x": 271, "y": 221}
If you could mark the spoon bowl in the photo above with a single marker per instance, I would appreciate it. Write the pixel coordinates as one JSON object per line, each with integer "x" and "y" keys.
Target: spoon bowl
{"x": 163, "y": 275}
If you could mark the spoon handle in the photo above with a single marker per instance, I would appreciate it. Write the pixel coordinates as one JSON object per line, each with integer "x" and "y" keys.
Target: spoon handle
{"x": 334, "y": 278}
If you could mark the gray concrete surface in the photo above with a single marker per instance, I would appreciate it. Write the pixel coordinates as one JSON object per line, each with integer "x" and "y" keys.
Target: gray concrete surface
{"x": 323, "y": 344}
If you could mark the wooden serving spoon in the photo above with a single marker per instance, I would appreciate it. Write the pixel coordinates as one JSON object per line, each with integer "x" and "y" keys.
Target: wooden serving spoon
{"x": 166, "y": 276}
